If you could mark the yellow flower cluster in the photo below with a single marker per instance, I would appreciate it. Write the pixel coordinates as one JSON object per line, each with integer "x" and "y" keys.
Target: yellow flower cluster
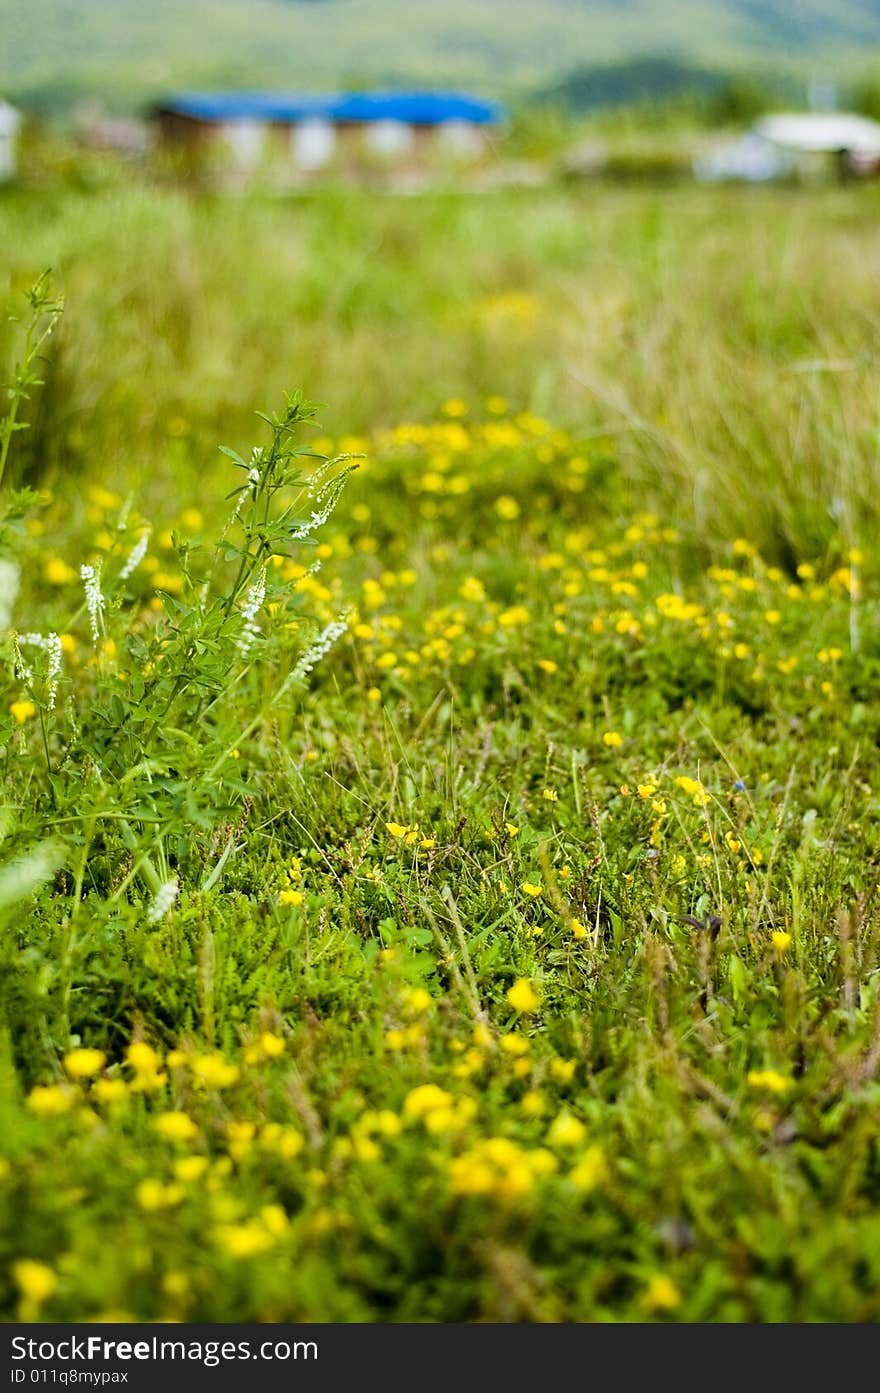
{"x": 768, "y": 1079}
{"x": 35, "y": 1281}
{"x": 253, "y": 1237}
{"x": 694, "y": 789}
{"x": 437, "y": 1110}
{"x": 522, "y": 996}
{"x": 499, "y": 1168}
{"x": 291, "y": 893}
{"x": 146, "y": 1065}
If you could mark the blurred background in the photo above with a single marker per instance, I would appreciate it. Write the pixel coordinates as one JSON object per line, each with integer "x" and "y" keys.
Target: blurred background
{"x": 646, "y": 220}
{"x": 589, "y": 53}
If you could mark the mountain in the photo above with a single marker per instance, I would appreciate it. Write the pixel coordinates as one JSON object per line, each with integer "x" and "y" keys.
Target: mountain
{"x": 126, "y": 52}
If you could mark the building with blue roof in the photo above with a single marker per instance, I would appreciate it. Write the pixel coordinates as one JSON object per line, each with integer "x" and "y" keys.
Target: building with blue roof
{"x": 314, "y": 130}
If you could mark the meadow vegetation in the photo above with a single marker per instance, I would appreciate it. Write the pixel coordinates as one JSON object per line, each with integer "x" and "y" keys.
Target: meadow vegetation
{"x": 439, "y": 866}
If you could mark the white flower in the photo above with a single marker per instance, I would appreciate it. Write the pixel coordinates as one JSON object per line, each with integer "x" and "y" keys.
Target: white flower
{"x": 326, "y": 498}
{"x": 50, "y": 644}
{"x": 136, "y": 555}
{"x": 53, "y": 670}
{"x": 20, "y": 668}
{"x": 320, "y": 648}
{"x": 249, "y": 611}
{"x": 95, "y": 603}
{"x": 162, "y": 901}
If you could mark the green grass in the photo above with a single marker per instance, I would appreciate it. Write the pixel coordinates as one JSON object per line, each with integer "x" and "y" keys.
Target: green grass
{"x": 727, "y": 339}
{"x": 523, "y": 962}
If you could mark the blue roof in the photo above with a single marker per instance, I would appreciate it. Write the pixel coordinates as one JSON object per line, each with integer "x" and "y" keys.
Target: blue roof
{"x": 415, "y": 108}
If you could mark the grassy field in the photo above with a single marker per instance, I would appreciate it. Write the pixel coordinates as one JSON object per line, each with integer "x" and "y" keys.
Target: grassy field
{"x": 451, "y": 895}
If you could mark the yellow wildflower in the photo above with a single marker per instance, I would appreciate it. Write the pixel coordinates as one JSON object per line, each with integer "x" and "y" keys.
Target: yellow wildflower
{"x": 35, "y": 1280}
{"x": 424, "y": 1099}
{"x": 213, "y": 1071}
{"x": 482, "y": 1035}
{"x": 142, "y": 1057}
{"x": 50, "y": 1100}
{"x": 190, "y": 1168}
{"x": 514, "y": 617}
{"x": 83, "y": 1064}
{"x": 533, "y": 1103}
{"x": 694, "y": 788}
{"x": 661, "y": 1294}
{"x": 271, "y": 1045}
{"x": 57, "y": 572}
{"x": 240, "y": 1137}
{"x": 419, "y": 1001}
{"x": 507, "y": 507}
{"x": 146, "y": 1064}
{"x": 109, "y": 1090}
{"x": 590, "y": 1171}
{"x": 275, "y": 1220}
{"x": 472, "y": 589}
{"x": 176, "y": 1126}
{"x": 175, "y": 1284}
{"x": 566, "y": 1130}
{"x": 152, "y": 1195}
{"x": 522, "y": 995}
{"x": 245, "y": 1240}
{"x": 768, "y": 1079}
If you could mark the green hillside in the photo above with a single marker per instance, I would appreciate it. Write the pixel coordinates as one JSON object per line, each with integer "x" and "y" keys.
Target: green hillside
{"x": 53, "y": 51}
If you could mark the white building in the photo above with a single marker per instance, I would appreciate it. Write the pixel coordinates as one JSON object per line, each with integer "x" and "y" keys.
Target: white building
{"x": 10, "y": 124}
{"x": 821, "y": 133}
{"x": 795, "y": 142}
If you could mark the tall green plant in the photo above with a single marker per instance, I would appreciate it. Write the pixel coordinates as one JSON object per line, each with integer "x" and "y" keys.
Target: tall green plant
{"x": 46, "y": 310}
{"x": 140, "y": 740}
{"x": 37, "y": 861}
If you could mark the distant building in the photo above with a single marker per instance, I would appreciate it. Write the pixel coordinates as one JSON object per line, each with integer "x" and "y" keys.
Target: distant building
{"x": 10, "y": 124}
{"x": 312, "y": 131}
{"x": 805, "y": 143}
{"x": 750, "y": 160}
{"x": 101, "y": 131}
{"x": 821, "y": 133}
